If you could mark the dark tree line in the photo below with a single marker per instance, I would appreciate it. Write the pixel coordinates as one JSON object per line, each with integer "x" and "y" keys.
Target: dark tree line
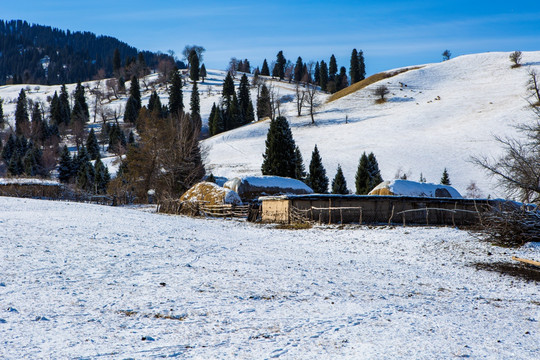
{"x": 41, "y": 54}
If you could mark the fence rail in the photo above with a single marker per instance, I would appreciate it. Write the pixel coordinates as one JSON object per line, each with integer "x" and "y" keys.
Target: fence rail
{"x": 178, "y": 207}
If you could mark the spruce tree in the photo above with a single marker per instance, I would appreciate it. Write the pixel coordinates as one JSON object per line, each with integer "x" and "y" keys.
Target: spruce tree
{"x": 280, "y": 65}
{"x": 102, "y": 177}
{"x": 332, "y": 68}
{"x": 193, "y": 66}
{"x": 316, "y": 73}
{"x": 375, "y": 177}
{"x": 135, "y": 92}
{"x": 264, "y": 107}
{"x": 9, "y": 148}
{"x": 265, "y": 71}
{"x": 33, "y": 162}
{"x": 1, "y": 114}
{"x": 361, "y": 65}
{"x": 131, "y": 113}
{"x": 22, "y": 120}
{"x": 299, "y": 169}
{"x": 445, "y": 179}
{"x": 195, "y": 104}
{"x": 116, "y": 62}
{"x": 339, "y": 185}
{"x": 80, "y": 107}
{"x": 15, "y": 166}
{"x": 65, "y": 166}
{"x": 65, "y": 110}
{"x": 279, "y": 157}
{"x": 233, "y": 118}
{"x": 37, "y": 123}
{"x": 341, "y": 81}
{"x": 362, "y": 176}
{"x": 202, "y": 72}
{"x": 323, "y": 76}
{"x": 249, "y": 117}
{"x": 298, "y": 70}
{"x": 154, "y": 103}
{"x": 244, "y": 98}
{"x": 317, "y": 178}
{"x": 92, "y": 145}
{"x": 176, "y": 102}
{"x": 354, "y": 70}
{"x": 211, "y": 123}
{"x": 228, "y": 89}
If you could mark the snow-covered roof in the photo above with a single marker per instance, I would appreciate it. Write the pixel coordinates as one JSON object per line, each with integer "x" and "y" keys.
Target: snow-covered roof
{"x": 274, "y": 184}
{"x": 413, "y": 188}
{"x": 28, "y": 181}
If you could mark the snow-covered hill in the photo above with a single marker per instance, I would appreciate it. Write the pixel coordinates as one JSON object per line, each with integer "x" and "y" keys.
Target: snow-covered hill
{"x": 80, "y": 281}
{"x": 436, "y": 117}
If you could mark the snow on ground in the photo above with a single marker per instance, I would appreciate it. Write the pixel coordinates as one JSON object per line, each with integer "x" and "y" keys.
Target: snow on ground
{"x": 85, "y": 281}
{"x": 441, "y": 115}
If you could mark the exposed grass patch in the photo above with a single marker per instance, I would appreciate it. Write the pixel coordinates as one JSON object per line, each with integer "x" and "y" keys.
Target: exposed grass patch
{"x": 524, "y": 272}
{"x": 295, "y": 226}
{"x": 380, "y": 101}
{"x": 368, "y": 81}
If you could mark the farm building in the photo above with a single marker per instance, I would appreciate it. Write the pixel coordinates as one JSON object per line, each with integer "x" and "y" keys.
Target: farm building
{"x": 367, "y": 209}
{"x": 412, "y": 188}
{"x": 250, "y": 188}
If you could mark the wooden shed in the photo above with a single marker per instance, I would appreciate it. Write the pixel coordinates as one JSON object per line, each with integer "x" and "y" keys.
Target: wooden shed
{"x": 367, "y": 209}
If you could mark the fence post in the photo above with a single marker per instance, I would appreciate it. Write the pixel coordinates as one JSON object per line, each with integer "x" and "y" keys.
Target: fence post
{"x": 427, "y": 216}
{"x": 329, "y": 211}
{"x": 391, "y": 215}
{"x": 360, "y": 215}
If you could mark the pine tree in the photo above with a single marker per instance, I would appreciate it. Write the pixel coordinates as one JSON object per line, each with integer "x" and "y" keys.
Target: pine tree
{"x": 354, "y": 70}
{"x": 265, "y": 71}
{"x": 202, "y": 72}
{"x": 15, "y": 166}
{"x": 279, "y": 156}
{"x": 233, "y": 118}
{"x": 92, "y": 145}
{"x": 37, "y": 123}
{"x": 33, "y": 162}
{"x": 195, "y": 104}
{"x": 362, "y": 176}
{"x": 264, "y": 107}
{"x": 193, "y": 66}
{"x": 375, "y": 177}
{"x": 176, "y": 102}
{"x": 85, "y": 171}
{"x": 317, "y": 178}
{"x": 65, "y": 166}
{"x": 250, "y": 114}
{"x": 9, "y": 149}
{"x": 323, "y": 76}
{"x": 22, "y": 120}
{"x": 299, "y": 169}
{"x": 80, "y": 107}
{"x": 298, "y": 70}
{"x": 154, "y": 103}
{"x": 445, "y": 179}
{"x": 339, "y": 185}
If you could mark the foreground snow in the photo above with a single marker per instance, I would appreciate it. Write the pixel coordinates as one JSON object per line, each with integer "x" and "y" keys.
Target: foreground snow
{"x": 84, "y": 281}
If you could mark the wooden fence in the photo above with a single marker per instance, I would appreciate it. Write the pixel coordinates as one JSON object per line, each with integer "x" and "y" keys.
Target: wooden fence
{"x": 178, "y": 207}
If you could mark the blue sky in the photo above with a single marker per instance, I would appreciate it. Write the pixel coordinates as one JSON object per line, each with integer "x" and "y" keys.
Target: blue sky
{"x": 391, "y": 33}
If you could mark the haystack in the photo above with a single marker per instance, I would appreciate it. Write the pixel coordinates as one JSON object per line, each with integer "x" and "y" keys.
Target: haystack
{"x": 211, "y": 194}
{"x": 413, "y": 188}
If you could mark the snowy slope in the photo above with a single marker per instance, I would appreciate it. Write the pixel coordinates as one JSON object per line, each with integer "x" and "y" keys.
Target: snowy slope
{"x": 82, "y": 281}
{"x": 446, "y": 112}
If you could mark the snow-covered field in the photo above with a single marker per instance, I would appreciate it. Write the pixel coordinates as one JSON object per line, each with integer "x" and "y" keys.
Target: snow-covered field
{"x": 85, "y": 281}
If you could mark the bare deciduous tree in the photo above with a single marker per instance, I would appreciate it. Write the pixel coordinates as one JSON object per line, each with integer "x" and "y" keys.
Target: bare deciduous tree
{"x": 381, "y": 91}
{"x": 515, "y": 57}
{"x": 534, "y": 85}
{"x": 112, "y": 88}
{"x": 300, "y": 95}
{"x": 312, "y": 100}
